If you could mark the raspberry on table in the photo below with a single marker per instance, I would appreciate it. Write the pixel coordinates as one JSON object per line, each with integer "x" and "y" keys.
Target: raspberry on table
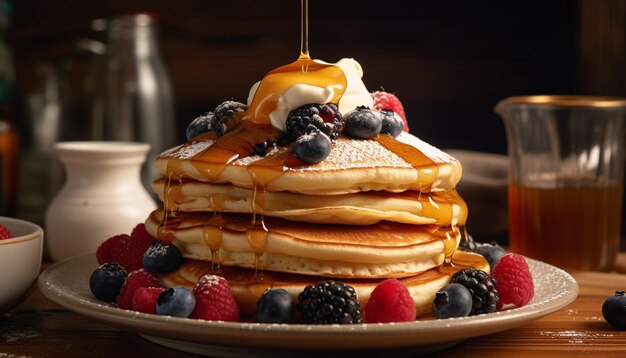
{"x": 385, "y": 100}
{"x": 5, "y": 233}
{"x": 390, "y": 301}
{"x": 145, "y": 299}
{"x": 515, "y": 282}
{"x": 214, "y": 301}
{"x": 484, "y": 289}
{"x": 325, "y": 117}
{"x": 329, "y": 302}
{"x": 135, "y": 280}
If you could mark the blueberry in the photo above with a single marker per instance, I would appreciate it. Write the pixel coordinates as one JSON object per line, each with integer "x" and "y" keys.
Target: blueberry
{"x": 106, "y": 281}
{"x": 492, "y": 253}
{"x": 614, "y": 310}
{"x": 162, "y": 258}
{"x": 392, "y": 123}
{"x": 177, "y": 301}
{"x": 275, "y": 306}
{"x": 453, "y": 300}
{"x": 312, "y": 147}
{"x": 362, "y": 123}
{"x": 199, "y": 125}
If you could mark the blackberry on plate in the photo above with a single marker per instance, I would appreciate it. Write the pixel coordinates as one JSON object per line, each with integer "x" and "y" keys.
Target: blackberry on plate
{"x": 484, "y": 289}
{"x": 453, "y": 300}
{"x": 162, "y": 258}
{"x": 392, "y": 123}
{"x": 106, "y": 281}
{"x": 312, "y": 147}
{"x": 614, "y": 310}
{"x": 176, "y": 301}
{"x": 362, "y": 123}
{"x": 199, "y": 125}
{"x": 275, "y": 306}
{"x": 224, "y": 116}
{"x": 325, "y": 117}
{"x": 329, "y": 302}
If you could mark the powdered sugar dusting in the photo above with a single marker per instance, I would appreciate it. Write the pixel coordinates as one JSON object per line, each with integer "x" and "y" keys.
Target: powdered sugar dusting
{"x": 435, "y": 154}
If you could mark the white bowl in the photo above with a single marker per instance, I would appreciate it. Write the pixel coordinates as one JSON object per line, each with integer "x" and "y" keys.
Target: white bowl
{"x": 20, "y": 261}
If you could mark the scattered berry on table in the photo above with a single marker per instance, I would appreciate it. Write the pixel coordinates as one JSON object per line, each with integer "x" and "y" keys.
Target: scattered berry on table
{"x": 390, "y": 301}
{"x": 129, "y": 251}
{"x": 200, "y": 125}
{"x": 325, "y": 117}
{"x": 162, "y": 257}
{"x": 275, "y": 306}
{"x": 385, "y": 100}
{"x": 176, "y": 301}
{"x": 103, "y": 253}
{"x": 214, "y": 301}
{"x": 5, "y": 233}
{"x": 484, "y": 289}
{"x": 106, "y": 281}
{"x": 515, "y": 283}
{"x": 614, "y": 310}
{"x": 329, "y": 302}
{"x": 392, "y": 123}
{"x": 145, "y": 299}
{"x": 491, "y": 252}
{"x": 453, "y": 300}
{"x": 224, "y": 116}
{"x": 312, "y": 147}
{"x": 135, "y": 280}
{"x": 362, "y": 123}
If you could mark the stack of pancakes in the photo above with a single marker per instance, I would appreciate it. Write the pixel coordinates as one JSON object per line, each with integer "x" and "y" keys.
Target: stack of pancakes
{"x": 373, "y": 209}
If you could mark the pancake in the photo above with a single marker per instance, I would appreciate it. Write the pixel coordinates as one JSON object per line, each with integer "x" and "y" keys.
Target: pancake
{"x": 248, "y": 287}
{"x": 440, "y": 208}
{"x": 382, "y": 163}
{"x": 386, "y": 249}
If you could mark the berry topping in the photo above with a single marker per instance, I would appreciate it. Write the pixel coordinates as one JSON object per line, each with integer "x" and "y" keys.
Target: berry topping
{"x": 392, "y": 123}
{"x": 484, "y": 289}
{"x": 106, "y": 281}
{"x": 145, "y": 299}
{"x": 135, "y": 280}
{"x": 390, "y": 302}
{"x": 384, "y": 100}
{"x": 362, "y": 123}
{"x": 214, "y": 301}
{"x": 492, "y": 253}
{"x": 329, "y": 302}
{"x": 162, "y": 257}
{"x": 103, "y": 253}
{"x": 325, "y": 117}
{"x": 199, "y": 125}
{"x": 614, "y": 310}
{"x": 224, "y": 118}
{"x": 275, "y": 306}
{"x": 140, "y": 232}
{"x": 129, "y": 251}
{"x": 515, "y": 283}
{"x": 312, "y": 147}
{"x": 5, "y": 233}
{"x": 177, "y": 301}
{"x": 453, "y": 300}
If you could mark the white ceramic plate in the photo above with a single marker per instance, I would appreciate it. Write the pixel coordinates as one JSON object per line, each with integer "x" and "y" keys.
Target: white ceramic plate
{"x": 66, "y": 283}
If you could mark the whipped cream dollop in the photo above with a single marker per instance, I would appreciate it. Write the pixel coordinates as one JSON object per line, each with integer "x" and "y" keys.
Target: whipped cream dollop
{"x": 355, "y": 94}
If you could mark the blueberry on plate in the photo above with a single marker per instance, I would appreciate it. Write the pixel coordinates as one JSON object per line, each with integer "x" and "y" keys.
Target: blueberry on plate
{"x": 176, "y": 301}
{"x": 392, "y": 123}
{"x": 492, "y": 253}
{"x": 106, "y": 281}
{"x": 199, "y": 125}
{"x": 161, "y": 257}
{"x": 453, "y": 300}
{"x": 614, "y": 310}
{"x": 275, "y": 306}
{"x": 312, "y": 147}
{"x": 362, "y": 123}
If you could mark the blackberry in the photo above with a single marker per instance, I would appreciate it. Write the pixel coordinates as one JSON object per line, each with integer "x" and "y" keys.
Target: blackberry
{"x": 325, "y": 117}
{"x": 484, "y": 289}
{"x": 224, "y": 116}
{"x": 329, "y": 302}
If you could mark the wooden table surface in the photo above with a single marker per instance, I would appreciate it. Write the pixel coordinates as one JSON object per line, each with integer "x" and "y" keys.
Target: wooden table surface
{"x": 39, "y": 328}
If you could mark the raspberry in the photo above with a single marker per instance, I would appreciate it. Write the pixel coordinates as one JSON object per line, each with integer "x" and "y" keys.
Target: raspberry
{"x": 140, "y": 232}
{"x": 5, "y": 233}
{"x": 384, "y": 100}
{"x": 390, "y": 302}
{"x": 325, "y": 117}
{"x": 129, "y": 251}
{"x": 135, "y": 280}
{"x": 515, "y": 283}
{"x": 103, "y": 253}
{"x": 145, "y": 299}
{"x": 214, "y": 301}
